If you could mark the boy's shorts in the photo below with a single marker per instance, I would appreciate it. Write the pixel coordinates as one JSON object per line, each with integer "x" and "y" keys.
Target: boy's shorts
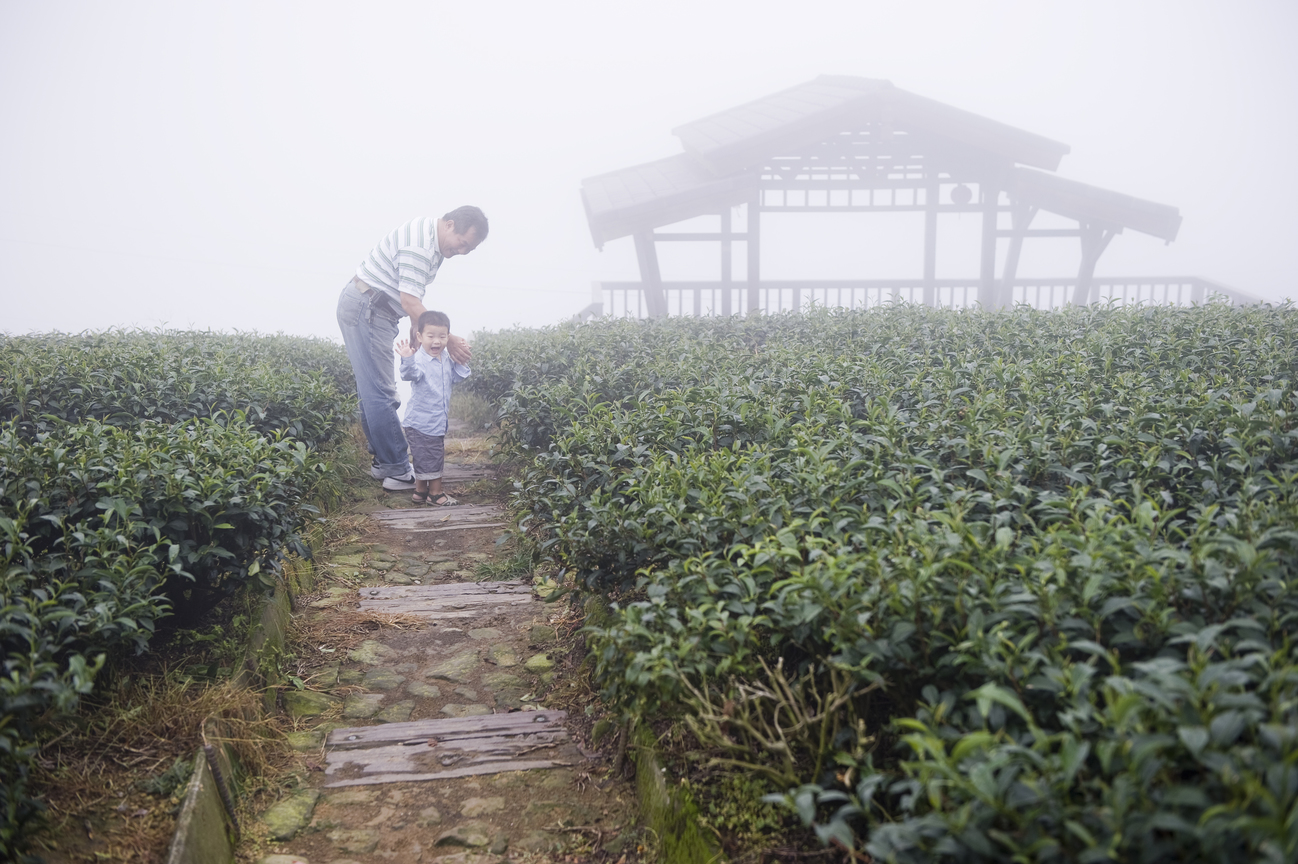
{"x": 427, "y": 452}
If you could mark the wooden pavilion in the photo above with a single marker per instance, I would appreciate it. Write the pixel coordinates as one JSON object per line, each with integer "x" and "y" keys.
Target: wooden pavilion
{"x": 844, "y": 144}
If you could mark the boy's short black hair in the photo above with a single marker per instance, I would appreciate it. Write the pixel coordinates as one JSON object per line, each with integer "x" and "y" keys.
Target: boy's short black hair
{"x": 437, "y": 319}
{"x": 468, "y": 218}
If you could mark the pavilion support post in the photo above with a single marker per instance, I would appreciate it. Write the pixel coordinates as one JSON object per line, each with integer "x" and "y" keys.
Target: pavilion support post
{"x": 1095, "y": 239}
{"x": 930, "y": 241}
{"x": 651, "y": 279}
{"x": 754, "y": 251}
{"x": 1022, "y": 216}
{"x": 987, "y": 275}
{"x": 726, "y": 287}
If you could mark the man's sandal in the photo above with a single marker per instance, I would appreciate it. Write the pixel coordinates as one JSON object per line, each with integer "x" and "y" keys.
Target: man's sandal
{"x": 441, "y": 499}
{"x": 419, "y": 497}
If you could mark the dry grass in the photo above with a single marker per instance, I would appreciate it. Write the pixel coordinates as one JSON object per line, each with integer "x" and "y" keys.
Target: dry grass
{"x": 91, "y": 768}
{"x": 320, "y": 640}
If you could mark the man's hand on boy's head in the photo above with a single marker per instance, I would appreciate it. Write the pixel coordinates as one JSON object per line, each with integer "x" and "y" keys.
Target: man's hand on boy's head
{"x": 459, "y": 349}
{"x": 406, "y": 349}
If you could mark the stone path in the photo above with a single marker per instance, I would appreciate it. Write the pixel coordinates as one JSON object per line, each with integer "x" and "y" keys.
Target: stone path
{"x": 436, "y": 743}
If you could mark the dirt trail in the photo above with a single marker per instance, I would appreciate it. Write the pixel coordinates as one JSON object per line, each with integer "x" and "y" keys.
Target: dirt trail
{"x": 459, "y": 688}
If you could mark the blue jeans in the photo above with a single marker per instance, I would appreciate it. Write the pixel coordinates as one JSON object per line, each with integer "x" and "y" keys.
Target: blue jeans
{"x": 369, "y": 324}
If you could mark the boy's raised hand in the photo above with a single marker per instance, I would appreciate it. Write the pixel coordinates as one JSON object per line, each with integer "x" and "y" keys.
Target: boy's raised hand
{"x": 405, "y": 348}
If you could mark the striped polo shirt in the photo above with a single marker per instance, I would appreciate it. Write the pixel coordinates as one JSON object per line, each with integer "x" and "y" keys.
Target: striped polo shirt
{"x": 404, "y": 261}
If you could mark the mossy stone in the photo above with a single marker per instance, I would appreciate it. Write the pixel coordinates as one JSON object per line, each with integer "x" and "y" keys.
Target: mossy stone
{"x": 397, "y": 712}
{"x": 362, "y": 706}
{"x": 286, "y": 818}
{"x": 382, "y": 679}
{"x": 304, "y": 742}
{"x": 370, "y": 652}
{"x": 539, "y": 663}
{"x": 307, "y": 703}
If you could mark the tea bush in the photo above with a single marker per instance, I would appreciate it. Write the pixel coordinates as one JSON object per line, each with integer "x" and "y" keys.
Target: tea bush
{"x": 141, "y": 475}
{"x": 293, "y": 384}
{"x": 1030, "y": 575}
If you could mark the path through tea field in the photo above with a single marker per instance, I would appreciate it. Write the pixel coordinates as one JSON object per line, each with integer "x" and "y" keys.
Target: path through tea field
{"x": 432, "y": 740}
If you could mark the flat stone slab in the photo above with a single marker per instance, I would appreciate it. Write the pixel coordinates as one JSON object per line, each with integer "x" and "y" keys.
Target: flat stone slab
{"x": 502, "y": 655}
{"x": 455, "y": 669}
{"x": 472, "y": 808}
{"x": 466, "y": 835}
{"x": 442, "y": 749}
{"x": 424, "y": 691}
{"x": 382, "y": 679}
{"x": 370, "y": 652}
{"x": 452, "y": 709}
{"x": 502, "y": 680}
{"x": 398, "y": 712}
{"x": 360, "y": 841}
{"x": 361, "y": 706}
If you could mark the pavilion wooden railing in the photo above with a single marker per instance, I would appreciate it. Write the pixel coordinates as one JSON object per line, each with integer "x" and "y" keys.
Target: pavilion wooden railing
{"x": 706, "y": 298}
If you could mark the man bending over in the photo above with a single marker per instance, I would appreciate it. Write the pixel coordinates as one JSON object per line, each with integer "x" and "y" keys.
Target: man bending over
{"x": 389, "y": 285}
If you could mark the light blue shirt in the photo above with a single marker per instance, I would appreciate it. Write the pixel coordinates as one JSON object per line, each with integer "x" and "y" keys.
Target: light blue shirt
{"x": 431, "y": 379}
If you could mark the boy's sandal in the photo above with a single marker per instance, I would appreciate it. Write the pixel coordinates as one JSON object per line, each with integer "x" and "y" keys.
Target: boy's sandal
{"x": 419, "y": 497}
{"x": 441, "y": 499}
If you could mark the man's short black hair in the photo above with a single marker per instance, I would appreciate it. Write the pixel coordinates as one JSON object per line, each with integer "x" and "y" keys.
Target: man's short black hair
{"x": 468, "y": 217}
{"x": 437, "y": 319}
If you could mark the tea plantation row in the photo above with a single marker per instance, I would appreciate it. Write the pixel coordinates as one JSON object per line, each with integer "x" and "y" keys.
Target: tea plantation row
{"x": 963, "y": 586}
{"x": 141, "y": 475}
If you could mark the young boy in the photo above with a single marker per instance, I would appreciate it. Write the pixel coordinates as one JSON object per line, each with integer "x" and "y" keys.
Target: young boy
{"x": 431, "y": 372}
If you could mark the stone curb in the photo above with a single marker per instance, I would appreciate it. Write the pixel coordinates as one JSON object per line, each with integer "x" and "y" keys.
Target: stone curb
{"x": 669, "y": 811}
{"x": 203, "y": 829}
{"x": 205, "y": 832}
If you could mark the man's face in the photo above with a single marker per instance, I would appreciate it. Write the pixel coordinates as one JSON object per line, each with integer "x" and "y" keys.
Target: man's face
{"x": 453, "y": 244}
{"x": 433, "y": 339}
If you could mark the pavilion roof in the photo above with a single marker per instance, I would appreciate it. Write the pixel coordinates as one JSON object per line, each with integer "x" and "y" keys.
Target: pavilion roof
{"x": 741, "y": 137}
{"x": 720, "y": 152}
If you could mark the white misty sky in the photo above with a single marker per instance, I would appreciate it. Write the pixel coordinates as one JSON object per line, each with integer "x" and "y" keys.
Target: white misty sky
{"x": 226, "y": 165}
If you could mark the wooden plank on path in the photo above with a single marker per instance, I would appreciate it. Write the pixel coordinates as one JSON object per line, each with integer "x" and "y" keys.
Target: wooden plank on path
{"x": 468, "y": 771}
{"x": 490, "y": 724}
{"x": 391, "y": 592}
{"x": 453, "y": 518}
{"x": 443, "y": 749}
{"x": 456, "y": 600}
{"x": 453, "y": 473}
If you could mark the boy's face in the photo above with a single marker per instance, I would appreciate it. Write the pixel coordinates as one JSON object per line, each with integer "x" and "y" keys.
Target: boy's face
{"x": 433, "y": 338}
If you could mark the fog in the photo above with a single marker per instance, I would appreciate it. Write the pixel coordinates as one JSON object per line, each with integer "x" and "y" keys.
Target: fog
{"x": 226, "y": 165}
